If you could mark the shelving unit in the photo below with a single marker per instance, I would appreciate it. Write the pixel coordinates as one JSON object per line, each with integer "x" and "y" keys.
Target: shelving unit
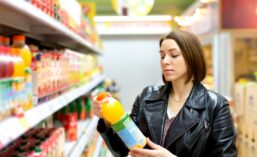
{"x": 98, "y": 147}
{"x": 83, "y": 139}
{"x": 82, "y": 125}
{"x": 13, "y": 127}
{"x": 24, "y": 17}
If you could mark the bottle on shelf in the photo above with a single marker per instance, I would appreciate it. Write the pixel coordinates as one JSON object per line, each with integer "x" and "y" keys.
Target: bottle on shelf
{"x": 122, "y": 124}
{"x": 6, "y": 72}
{"x": 28, "y": 87}
{"x": 19, "y": 64}
{"x": 25, "y": 53}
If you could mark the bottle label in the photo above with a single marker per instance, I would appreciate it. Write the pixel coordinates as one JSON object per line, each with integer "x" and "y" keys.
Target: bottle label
{"x": 129, "y": 133}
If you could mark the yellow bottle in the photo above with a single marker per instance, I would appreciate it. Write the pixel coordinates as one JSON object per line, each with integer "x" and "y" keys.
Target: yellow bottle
{"x": 110, "y": 106}
{"x": 112, "y": 111}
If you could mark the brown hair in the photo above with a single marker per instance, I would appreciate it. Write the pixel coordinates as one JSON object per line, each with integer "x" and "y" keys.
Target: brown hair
{"x": 192, "y": 52}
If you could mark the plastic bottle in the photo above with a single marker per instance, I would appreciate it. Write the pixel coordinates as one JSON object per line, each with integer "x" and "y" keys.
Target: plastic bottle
{"x": 122, "y": 124}
{"x": 3, "y": 64}
{"x": 25, "y": 53}
{"x": 28, "y": 86}
{"x": 9, "y": 60}
{"x": 19, "y": 64}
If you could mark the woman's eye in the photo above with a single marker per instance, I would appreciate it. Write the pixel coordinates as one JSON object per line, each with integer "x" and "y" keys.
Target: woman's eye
{"x": 174, "y": 56}
{"x": 162, "y": 56}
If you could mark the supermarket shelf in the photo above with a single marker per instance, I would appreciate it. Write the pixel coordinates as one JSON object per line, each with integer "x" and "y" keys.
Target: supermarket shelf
{"x": 69, "y": 146}
{"x": 23, "y": 16}
{"x": 98, "y": 147}
{"x": 11, "y": 128}
{"x": 84, "y": 139}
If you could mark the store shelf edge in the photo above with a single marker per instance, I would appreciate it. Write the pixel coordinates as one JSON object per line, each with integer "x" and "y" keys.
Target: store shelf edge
{"x": 12, "y": 127}
{"x": 84, "y": 139}
{"x": 44, "y": 20}
{"x": 98, "y": 146}
{"x": 69, "y": 146}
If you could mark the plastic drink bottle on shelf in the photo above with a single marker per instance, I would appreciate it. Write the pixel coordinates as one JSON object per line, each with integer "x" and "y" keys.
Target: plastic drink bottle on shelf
{"x": 122, "y": 124}
{"x": 25, "y": 53}
{"x": 19, "y": 64}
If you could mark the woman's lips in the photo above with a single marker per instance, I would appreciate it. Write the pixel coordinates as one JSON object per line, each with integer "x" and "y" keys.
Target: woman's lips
{"x": 167, "y": 71}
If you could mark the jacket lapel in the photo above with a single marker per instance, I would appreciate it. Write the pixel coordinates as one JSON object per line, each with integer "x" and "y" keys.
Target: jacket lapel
{"x": 187, "y": 117}
{"x": 155, "y": 112}
{"x": 181, "y": 124}
{"x": 155, "y": 119}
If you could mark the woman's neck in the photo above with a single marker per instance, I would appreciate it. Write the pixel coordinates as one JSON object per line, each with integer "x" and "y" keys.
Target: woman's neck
{"x": 180, "y": 90}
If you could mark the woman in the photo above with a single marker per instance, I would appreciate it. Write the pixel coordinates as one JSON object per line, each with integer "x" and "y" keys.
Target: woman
{"x": 181, "y": 118}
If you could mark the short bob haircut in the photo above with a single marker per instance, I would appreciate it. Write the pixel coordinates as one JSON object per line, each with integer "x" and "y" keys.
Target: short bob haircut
{"x": 192, "y": 52}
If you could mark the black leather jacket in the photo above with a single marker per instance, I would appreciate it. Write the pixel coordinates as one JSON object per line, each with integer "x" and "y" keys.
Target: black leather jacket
{"x": 202, "y": 128}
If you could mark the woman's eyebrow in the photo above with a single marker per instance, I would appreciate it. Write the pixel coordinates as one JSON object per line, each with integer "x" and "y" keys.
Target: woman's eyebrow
{"x": 173, "y": 49}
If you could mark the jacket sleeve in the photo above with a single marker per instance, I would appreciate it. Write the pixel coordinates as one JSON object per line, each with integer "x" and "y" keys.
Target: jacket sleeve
{"x": 223, "y": 134}
{"x": 112, "y": 140}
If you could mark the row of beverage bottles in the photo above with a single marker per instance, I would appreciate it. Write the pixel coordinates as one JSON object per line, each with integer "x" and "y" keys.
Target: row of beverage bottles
{"x": 72, "y": 15}
{"x": 15, "y": 76}
{"x": 53, "y": 70}
{"x": 47, "y": 139}
{"x": 37, "y": 142}
{"x": 27, "y": 71}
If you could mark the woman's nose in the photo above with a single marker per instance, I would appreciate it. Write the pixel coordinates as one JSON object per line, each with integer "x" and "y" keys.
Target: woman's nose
{"x": 166, "y": 59}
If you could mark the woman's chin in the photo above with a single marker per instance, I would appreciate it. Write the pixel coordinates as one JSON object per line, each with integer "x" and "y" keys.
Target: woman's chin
{"x": 170, "y": 79}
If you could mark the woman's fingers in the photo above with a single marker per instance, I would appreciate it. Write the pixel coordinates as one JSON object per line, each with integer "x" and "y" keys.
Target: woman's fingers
{"x": 97, "y": 109}
{"x": 142, "y": 152}
{"x": 151, "y": 144}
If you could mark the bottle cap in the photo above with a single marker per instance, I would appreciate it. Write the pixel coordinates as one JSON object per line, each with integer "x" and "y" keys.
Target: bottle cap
{"x": 18, "y": 38}
{"x": 37, "y": 150}
{"x": 102, "y": 96}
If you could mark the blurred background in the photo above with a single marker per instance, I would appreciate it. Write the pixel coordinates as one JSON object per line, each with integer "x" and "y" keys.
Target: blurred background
{"x": 55, "y": 55}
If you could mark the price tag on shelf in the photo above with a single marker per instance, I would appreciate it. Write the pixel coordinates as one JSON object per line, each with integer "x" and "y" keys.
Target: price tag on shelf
{"x": 47, "y": 112}
{"x": 52, "y": 105}
{"x": 38, "y": 113}
{"x": 73, "y": 95}
{"x": 85, "y": 132}
{"x": 83, "y": 89}
{"x": 55, "y": 104}
{"x": 68, "y": 96}
{"x": 24, "y": 122}
{"x": 62, "y": 102}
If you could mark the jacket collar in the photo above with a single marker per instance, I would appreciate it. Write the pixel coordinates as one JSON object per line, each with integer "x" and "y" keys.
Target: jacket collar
{"x": 156, "y": 108}
{"x": 192, "y": 101}
{"x": 159, "y": 93}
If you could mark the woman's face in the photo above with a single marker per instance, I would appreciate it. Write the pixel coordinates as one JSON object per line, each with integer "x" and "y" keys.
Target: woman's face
{"x": 173, "y": 64}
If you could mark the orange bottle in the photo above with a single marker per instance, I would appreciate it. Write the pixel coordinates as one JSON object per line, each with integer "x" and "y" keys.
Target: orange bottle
{"x": 109, "y": 107}
{"x": 25, "y": 53}
{"x": 121, "y": 123}
{"x": 19, "y": 65}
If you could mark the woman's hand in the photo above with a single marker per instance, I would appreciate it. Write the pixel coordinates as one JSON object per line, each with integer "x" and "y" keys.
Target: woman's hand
{"x": 97, "y": 109}
{"x": 97, "y": 104}
{"x": 156, "y": 151}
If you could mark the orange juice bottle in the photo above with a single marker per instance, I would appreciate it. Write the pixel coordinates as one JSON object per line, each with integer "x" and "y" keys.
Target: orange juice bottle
{"x": 25, "y": 53}
{"x": 19, "y": 65}
{"x": 122, "y": 124}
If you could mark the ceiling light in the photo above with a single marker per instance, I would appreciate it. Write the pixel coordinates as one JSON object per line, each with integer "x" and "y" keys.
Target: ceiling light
{"x": 132, "y": 18}
{"x": 208, "y": 1}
